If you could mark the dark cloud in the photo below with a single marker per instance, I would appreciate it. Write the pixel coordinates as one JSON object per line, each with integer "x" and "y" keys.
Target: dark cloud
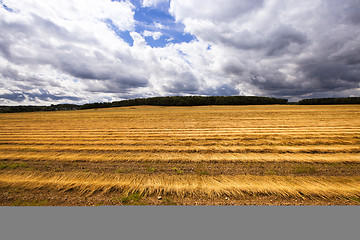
{"x": 348, "y": 54}
{"x": 318, "y": 77}
{"x": 70, "y": 57}
{"x": 9, "y": 72}
{"x": 43, "y": 96}
{"x": 324, "y": 75}
{"x": 345, "y": 11}
{"x": 46, "y": 96}
{"x": 273, "y": 48}
{"x": 183, "y": 83}
{"x": 279, "y": 41}
{"x": 222, "y": 90}
{"x": 121, "y": 85}
{"x": 16, "y": 97}
{"x": 24, "y": 82}
{"x": 232, "y": 68}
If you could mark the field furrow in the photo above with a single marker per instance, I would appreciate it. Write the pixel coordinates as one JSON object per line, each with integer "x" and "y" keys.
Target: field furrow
{"x": 179, "y": 156}
{"x": 189, "y": 154}
{"x": 188, "y": 185}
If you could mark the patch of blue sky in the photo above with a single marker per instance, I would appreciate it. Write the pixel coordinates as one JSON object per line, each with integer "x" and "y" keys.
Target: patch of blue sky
{"x": 150, "y": 15}
{"x": 180, "y": 37}
{"x": 155, "y": 43}
{"x": 162, "y": 5}
{"x": 154, "y": 19}
{"x": 159, "y": 20}
{"x": 170, "y": 34}
{"x": 136, "y": 3}
{"x": 6, "y": 7}
{"x": 125, "y": 35}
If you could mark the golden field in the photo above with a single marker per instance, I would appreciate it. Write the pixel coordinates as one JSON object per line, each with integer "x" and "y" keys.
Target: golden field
{"x": 276, "y": 154}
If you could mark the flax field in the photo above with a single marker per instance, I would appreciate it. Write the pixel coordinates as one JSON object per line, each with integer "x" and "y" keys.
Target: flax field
{"x": 208, "y": 155}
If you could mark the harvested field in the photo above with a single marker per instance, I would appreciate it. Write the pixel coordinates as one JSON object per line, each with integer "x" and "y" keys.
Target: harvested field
{"x": 278, "y": 154}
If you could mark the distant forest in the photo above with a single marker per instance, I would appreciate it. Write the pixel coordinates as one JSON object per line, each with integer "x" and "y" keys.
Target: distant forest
{"x": 330, "y": 101}
{"x": 189, "y": 101}
{"x": 182, "y": 101}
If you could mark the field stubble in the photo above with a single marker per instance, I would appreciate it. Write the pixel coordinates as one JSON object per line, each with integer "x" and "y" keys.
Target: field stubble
{"x": 213, "y": 152}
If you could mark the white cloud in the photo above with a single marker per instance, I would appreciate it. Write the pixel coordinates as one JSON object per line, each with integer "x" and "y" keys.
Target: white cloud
{"x": 266, "y": 45}
{"x": 152, "y": 3}
{"x": 154, "y": 35}
{"x": 159, "y": 26}
{"x": 282, "y": 48}
{"x": 217, "y": 10}
{"x": 67, "y": 38}
{"x": 80, "y": 11}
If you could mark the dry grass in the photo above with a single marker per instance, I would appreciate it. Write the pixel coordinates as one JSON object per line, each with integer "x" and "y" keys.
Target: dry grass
{"x": 243, "y": 133}
{"x": 179, "y": 157}
{"x": 298, "y": 134}
{"x": 184, "y": 185}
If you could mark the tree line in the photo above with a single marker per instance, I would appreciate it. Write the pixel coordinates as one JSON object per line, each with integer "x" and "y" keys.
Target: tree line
{"x": 189, "y": 101}
{"x": 58, "y": 107}
{"x": 330, "y": 101}
{"x": 181, "y": 101}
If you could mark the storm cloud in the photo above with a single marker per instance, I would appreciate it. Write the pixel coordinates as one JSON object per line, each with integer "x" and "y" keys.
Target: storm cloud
{"x": 66, "y": 52}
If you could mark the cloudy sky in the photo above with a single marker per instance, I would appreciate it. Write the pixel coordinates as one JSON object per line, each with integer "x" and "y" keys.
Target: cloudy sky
{"x": 79, "y": 51}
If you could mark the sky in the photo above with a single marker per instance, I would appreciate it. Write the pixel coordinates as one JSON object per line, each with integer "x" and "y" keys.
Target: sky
{"x": 83, "y": 51}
